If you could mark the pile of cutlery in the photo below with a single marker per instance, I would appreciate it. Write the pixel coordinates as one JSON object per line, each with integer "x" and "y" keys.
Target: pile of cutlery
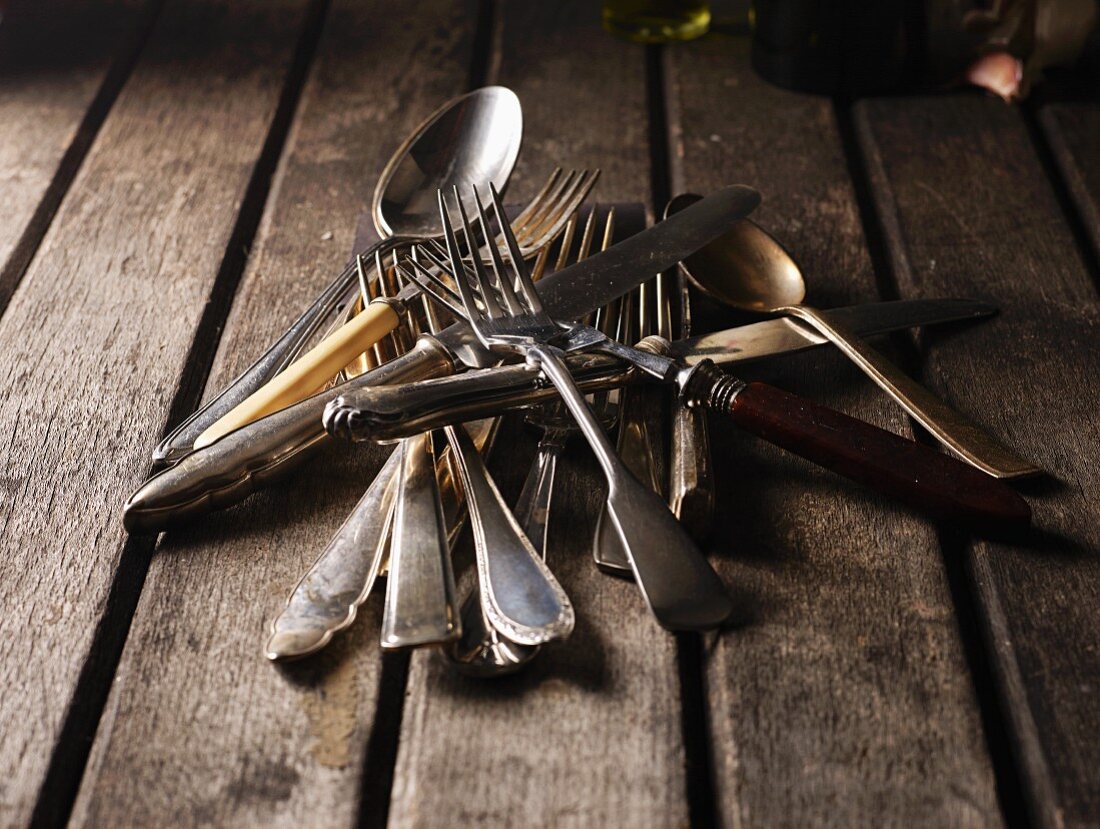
{"x": 433, "y": 335}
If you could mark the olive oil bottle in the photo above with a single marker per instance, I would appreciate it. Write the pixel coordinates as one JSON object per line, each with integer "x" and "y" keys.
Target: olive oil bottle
{"x": 656, "y": 21}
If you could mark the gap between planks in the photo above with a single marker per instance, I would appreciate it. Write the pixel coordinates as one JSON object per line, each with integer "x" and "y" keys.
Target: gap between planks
{"x": 67, "y": 764}
{"x": 26, "y": 246}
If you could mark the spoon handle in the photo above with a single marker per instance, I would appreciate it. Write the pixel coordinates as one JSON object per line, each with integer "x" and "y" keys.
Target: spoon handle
{"x": 951, "y": 428}
{"x": 916, "y": 474}
{"x": 421, "y": 608}
{"x": 520, "y": 595}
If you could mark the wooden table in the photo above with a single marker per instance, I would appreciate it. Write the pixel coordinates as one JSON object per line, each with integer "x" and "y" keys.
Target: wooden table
{"x": 179, "y": 178}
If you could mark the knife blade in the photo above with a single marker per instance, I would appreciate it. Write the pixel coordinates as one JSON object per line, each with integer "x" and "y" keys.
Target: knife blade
{"x": 389, "y": 412}
{"x": 228, "y": 470}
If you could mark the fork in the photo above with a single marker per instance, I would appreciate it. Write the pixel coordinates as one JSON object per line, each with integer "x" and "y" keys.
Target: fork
{"x": 481, "y": 650}
{"x": 541, "y": 221}
{"x": 677, "y": 582}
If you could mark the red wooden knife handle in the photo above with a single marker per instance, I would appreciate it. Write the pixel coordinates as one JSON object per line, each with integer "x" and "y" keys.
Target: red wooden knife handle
{"x": 916, "y": 474}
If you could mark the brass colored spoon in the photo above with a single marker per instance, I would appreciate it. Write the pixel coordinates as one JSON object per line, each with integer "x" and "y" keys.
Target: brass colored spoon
{"x": 749, "y": 269}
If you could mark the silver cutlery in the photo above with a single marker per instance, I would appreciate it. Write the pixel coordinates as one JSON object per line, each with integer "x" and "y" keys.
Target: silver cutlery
{"x": 520, "y": 596}
{"x": 482, "y": 650}
{"x": 233, "y": 467}
{"x": 680, "y": 587}
{"x": 749, "y": 269}
{"x": 540, "y": 223}
{"x": 327, "y": 598}
{"x": 394, "y": 411}
{"x": 690, "y": 467}
{"x": 420, "y": 607}
{"x": 449, "y": 146}
{"x": 927, "y": 480}
{"x": 639, "y": 441}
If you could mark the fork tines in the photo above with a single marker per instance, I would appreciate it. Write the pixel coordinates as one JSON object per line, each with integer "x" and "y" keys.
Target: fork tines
{"x": 479, "y": 293}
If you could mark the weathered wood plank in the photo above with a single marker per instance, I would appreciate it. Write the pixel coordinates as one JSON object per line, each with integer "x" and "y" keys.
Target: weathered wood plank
{"x": 55, "y": 82}
{"x": 96, "y": 338}
{"x": 590, "y": 734}
{"x": 201, "y": 729}
{"x": 844, "y": 698}
{"x": 969, "y": 210}
{"x": 1072, "y": 128}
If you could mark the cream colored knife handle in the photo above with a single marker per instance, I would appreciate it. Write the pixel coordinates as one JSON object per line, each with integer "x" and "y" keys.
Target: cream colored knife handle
{"x": 951, "y": 428}
{"x": 311, "y": 371}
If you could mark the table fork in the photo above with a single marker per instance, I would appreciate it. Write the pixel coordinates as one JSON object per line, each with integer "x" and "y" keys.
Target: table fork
{"x": 481, "y": 650}
{"x": 677, "y": 582}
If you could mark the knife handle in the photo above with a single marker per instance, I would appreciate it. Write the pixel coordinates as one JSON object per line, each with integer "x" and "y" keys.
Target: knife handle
{"x": 933, "y": 482}
{"x": 309, "y": 372}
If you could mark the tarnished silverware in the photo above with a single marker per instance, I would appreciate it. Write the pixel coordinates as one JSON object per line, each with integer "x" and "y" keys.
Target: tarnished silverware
{"x": 935, "y": 483}
{"x": 482, "y": 650}
{"x": 492, "y": 111}
{"x": 235, "y": 466}
{"x": 540, "y": 222}
{"x": 640, "y": 436}
{"x": 690, "y": 467}
{"x": 520, "y": 596}
{"x": 420, "y": 591}
{"x": 748, "y": 268}
{"x": 678, "y": 584}
{"x": 327, "y": 598}
{"x": 396, "y": 411}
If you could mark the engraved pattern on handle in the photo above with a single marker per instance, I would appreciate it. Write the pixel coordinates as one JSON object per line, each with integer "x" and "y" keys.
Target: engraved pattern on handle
{"x": 231, "y": 469}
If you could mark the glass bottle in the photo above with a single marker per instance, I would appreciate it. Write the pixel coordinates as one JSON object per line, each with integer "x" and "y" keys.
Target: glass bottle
{"x": 656, "y": 21}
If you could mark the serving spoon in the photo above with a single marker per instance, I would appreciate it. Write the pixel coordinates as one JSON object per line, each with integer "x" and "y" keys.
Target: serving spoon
{"x": 749, "y": 269}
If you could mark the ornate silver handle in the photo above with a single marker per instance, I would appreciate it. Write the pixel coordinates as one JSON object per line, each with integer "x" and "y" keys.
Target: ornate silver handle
{"x": 243, "y": 461}
{"x": 520, "y": 595}
{"x": 389, "y": 412}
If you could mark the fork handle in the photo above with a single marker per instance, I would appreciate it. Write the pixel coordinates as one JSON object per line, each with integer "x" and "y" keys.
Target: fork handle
{"x": 676, "y": 580}
{"x": 916, "y": 474}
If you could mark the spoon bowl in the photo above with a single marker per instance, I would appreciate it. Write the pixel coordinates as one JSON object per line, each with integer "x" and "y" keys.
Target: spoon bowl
{"x": 471, "y": 140}
{"x": 746, "y": 268}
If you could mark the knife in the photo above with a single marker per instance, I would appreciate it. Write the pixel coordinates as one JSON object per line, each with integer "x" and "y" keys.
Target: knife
{"x": 391, "y": 412}
{"x": 234, "y": 466}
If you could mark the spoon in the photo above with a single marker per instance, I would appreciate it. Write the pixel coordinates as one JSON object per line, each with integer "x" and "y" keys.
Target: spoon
{"x": 474, "y": 138}
{"x": 749, "y": 269}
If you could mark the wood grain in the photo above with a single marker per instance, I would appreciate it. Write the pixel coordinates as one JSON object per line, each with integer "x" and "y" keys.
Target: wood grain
{"x": 95, "y": 342}
{"x": 969, "y": 210}
{"x": 1072, "y": 129}
{"x": 201, "y": 729}
{"x": 55, "y": 85}
{"x": 589, "y": 734}
{"x": 843, "y": 697}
